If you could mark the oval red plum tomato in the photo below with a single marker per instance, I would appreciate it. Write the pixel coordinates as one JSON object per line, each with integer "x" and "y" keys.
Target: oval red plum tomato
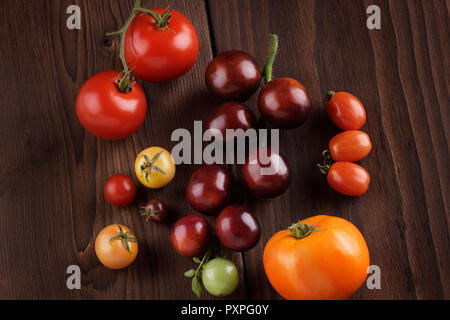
{"x": 233, "y": 76}
{"x": 285, "y": 102}
{"x": 348, "y": 178}
{"x": 105, "y": 111}
{"x": 350, "y": 145}
{"x": 345, "y": 110}
{"x": 190, "y": 235}
{"x": 119, "y": 190}
{"x": 237, "y": 228}
{"x": 161, "y": 54}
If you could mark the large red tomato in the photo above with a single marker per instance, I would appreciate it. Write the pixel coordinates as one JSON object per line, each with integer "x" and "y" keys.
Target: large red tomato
{"x": 105, "y": 111}
{"x": 161, "y": 54}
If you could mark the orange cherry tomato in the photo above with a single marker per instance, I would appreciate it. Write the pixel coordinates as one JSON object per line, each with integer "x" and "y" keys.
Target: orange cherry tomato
{"x": 116, "y": 246}
{"x": 348, "y": 178}
{"x": 319, "y": 258}
{"x": 351, "y": 145}
{"x": 346, "y": 111}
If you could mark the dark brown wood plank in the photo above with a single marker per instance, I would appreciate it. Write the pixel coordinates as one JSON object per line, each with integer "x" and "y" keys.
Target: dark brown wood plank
{"x": 401, "y": 74}
{"x": 51, "y": 199}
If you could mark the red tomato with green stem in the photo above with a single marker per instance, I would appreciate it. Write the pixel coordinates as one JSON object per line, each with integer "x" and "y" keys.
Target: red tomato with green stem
{"x": 345, "y": 110}
{"x": 111, "y": 106}
{"x": 161, "y": 44}
{"x": 347, "y": 178}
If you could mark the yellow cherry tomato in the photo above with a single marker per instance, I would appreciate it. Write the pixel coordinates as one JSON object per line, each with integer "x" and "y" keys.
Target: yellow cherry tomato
{"x": 155, "y": 167}
{"x": 116, "y": 246}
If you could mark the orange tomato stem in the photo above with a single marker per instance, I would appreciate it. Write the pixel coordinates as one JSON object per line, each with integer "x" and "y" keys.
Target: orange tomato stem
{"x": 301, "y": 230}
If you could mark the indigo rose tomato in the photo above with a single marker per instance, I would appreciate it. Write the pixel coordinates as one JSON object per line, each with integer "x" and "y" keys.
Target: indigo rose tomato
{"x": 266, "y": 173}
{"x": 230, "y": 115}
{"x": 220, "y": 277}
{"x": 161, "y": 53}
{"x": 105, "y": 111}
{"x": 233, "y": 76}
{"x": 345, "y": 110}
{"x": 348, "y": 178}
{"x": 119, "y": 190}
{"x": 351, "y": 145}
{"x": 116, "y": 246}
{"x": 190, "y": 235}
{"x": 210, "y": 189}
{"x": 237, "y": 228}
{"x": 319, "y": 258}
{"x": 155, "y": 211}
{"x": 284, "y": 102}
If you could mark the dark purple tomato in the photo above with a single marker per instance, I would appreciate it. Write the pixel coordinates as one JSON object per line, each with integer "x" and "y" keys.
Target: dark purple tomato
{"x": 230, "y": 115}
{"x": 155, "y": 211}
{"x": 267, "y": 176}
{"x": 284, "y": 102}
{"x": 210, "y": 189}
{"x": 233, "y": 76}
{"x": 237, "y": 228}
{"x": 190, "y": 235}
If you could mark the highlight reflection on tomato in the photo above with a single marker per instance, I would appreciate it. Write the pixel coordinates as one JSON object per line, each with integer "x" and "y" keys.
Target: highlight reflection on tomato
{"x": 161, "y": 53}
{"x": 105, "y": 111}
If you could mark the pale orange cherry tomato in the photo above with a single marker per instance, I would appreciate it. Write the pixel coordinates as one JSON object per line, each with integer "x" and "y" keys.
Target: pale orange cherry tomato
{"x": 348, "y": 178}
{"x": 318, "y": 258}
{"x": 116, "y": 246}
{"x": 345, "y": 110}
{"x": 351, "y": 145}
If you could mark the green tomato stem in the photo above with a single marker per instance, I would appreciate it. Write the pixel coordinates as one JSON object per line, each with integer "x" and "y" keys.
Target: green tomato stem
{"x": 125, "y": 80}
{"x": 273, "y": 49}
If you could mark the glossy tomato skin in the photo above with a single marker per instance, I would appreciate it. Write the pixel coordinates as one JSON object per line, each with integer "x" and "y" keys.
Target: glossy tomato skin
{"x": 105, "y": 111}
{"x": 112, "y": 253}
{"x": 350, "y": 145}
{"x": 266, "y": 185}
{"x": 220, "y": 277}
{"x": 329, "y": 264}
{"x": 165, "y": 162}
{"x": 161, "y": 55}
{"x": 230, "y": 115}
{"x": 285, "y": 102}
{"x": 190, "y": 235}
{"x": 348, "y": 178}
{"x": 210, "y": 189}
{"x": 346, "y": 111}
{"x": 119, "y": 190}
{"x": 237, "y": 228}
{"x": 158, "y": 208}
{"x": 233, "y": 76}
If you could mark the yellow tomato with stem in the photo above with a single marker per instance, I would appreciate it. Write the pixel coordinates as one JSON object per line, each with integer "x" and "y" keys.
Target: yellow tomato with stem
{"x": 116, "y": 246}
{"x": 155, "y": 167}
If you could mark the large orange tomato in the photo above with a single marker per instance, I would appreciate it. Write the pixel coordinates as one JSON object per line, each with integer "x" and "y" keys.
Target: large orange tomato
{"x": 319, "y": 258}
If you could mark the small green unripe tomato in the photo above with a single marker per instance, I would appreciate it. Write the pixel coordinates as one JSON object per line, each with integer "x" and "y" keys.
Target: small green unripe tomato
{"x": 220, "y": 277}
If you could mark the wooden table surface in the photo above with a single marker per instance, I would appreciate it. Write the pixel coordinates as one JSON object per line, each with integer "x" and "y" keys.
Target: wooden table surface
{"x": 52, "y": 171}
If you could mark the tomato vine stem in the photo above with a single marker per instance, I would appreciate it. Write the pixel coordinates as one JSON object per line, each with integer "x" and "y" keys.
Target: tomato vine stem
{"x": 273, "y": 49}
{"x": 125, "y": 79}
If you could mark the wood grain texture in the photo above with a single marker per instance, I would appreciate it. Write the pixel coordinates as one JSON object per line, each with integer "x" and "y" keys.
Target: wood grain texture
{"x": 51, "y": 202}
{"x": 402, "y": 76}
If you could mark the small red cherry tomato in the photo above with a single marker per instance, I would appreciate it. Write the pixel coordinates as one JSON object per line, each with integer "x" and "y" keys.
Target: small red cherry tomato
{"x": 346, "y": 111}
{"x": 348, "y": 178}
{"x": 105, "y": 111}
{"x": 119, "y": 190}
{"x": 351, "y": 145}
